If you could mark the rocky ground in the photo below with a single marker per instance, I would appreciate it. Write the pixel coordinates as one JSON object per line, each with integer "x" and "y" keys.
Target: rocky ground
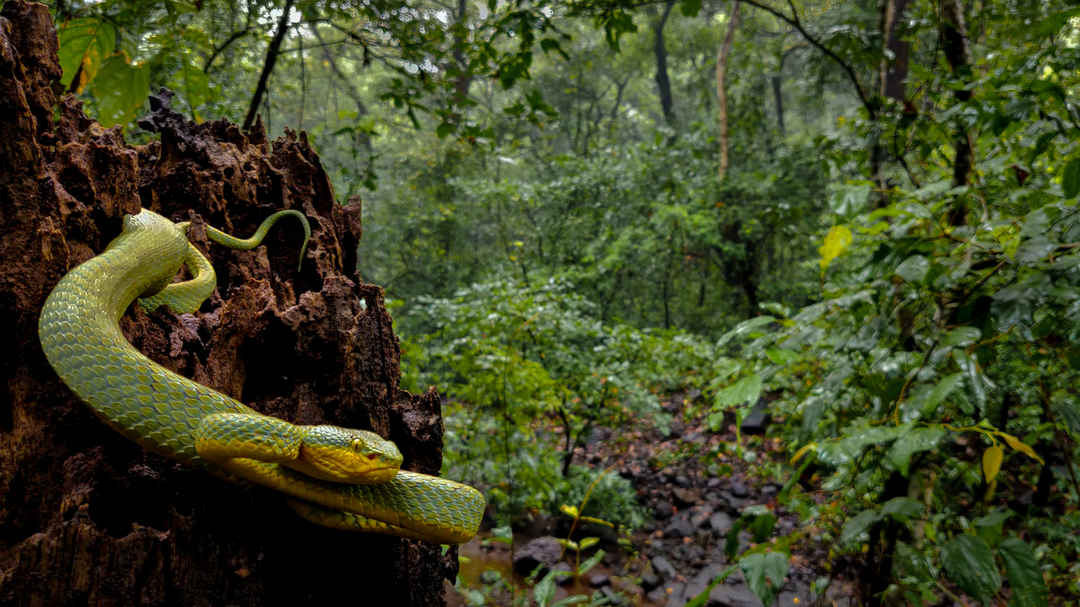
{"x": 695, "y": 488}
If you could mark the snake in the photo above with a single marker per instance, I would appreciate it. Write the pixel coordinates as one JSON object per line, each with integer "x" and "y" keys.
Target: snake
{"x": 336, "y": 477}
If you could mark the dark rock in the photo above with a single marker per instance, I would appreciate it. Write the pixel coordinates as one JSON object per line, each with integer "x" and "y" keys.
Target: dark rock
{"x": 720, "y": 523}
{"x": 685, "y": 497}
{"x": 663, "y": 509}
{"x": 649, "y": 580}
{"x": 713, "y": 482}
{"x": 543, "y": 551}
{"x": 663, "y": 568}
{"x": 770, "y": 489}
{"x": 758, "y": 420}
{"x": 682, "y": 480}
{"x": 701, "y": 518}
{"x": 732, "y": 596}
{"x": 680, "y": 526}
{"x": 739, "y": 490}
{"x": 599, "y": 435}
{"x": 597, "y": 580}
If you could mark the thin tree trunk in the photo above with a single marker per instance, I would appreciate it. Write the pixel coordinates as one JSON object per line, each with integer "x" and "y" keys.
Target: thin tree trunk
{"x": 779, "y": 101}
{"x": 721, "y": 89}
{"x": 894, "y": 72}
{"x": 958, "y": 54}
{"x": 663, "y": 83}
{"x": 268, "y": 65}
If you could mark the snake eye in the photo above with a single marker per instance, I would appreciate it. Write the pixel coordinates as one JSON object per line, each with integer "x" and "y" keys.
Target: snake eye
{"x": 356, "y": 444}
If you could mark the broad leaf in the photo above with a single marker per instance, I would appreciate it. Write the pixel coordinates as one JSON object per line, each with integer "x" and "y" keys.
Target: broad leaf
{"x": 991, "y": 461}
{"x": 1025, "y": 577}
{"x": 746, "y": 389}
{"x": 764, "y": 574}
{"x": 913, "y": 269}
{"x": 919, "y": 439}
{"x": 1070, "y": 178}
{"x": 969, "y": 562}
{"x": 857, "y": 525}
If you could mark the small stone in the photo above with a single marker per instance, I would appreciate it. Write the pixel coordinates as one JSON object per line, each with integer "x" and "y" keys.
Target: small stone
{"x": 713, "y": 482}
{"x": 599, "y": 579}
{"x": 544, "y": 551}
{"x": 720, "y": 523}
{"x": 649, "y": 580}
{"x": 739, "y": 490}
{"x": 685, "y": 497}
{"x": 682, "y": 480}
{"x": 732, "y": 596}
{"x": 663, "y": 509}
{"x": 663, "y": 567}
{"x": 680, "y": 526}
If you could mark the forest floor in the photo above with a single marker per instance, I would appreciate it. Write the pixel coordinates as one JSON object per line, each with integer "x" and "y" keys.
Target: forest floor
{"x": 694, "y": 486}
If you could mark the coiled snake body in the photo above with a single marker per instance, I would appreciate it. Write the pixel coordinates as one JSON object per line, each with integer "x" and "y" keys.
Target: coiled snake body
{"x": 337, "y": 477}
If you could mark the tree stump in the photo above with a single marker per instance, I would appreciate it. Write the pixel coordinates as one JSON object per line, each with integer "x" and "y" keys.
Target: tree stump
{"x": 87, "y": 517}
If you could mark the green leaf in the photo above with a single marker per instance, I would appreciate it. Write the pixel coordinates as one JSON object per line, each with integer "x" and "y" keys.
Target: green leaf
{"x": 87, "y": 42}
{"x": 746, "y": 389}
{"x": 1025, "y": 577}
{"x": 764, "y": 574}
{"x": 590, "y": 562}
{"x": 120, "y": 89}
{"x": 969, "y": 562}
{"x": 690, "y": 8}
{"x": 444, "y": 129}
{"x": 1067, "y": 409}
{"x": 919, "y": 439}
{"x": 857, "y": 525}
{"x": 902, "y": 509}
{"x": 1070, "y": 178}
{"x": 961, "y": 336}
{"x": 976, "y": 380}
{"x": 913, "y": 269}
{"x": 781, "y": 356}
{"x": 744, "y": 328}
{"x": 941, "y": 391}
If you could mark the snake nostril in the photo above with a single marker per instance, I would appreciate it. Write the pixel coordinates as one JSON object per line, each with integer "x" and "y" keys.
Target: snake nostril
{"x": 373, "y": 456}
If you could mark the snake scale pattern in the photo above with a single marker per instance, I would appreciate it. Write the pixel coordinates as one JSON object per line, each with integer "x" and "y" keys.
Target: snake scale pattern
{"x": 168, "y": 414}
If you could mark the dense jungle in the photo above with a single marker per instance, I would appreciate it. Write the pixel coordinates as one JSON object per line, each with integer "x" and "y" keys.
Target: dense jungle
{"x": 715, "y": 302}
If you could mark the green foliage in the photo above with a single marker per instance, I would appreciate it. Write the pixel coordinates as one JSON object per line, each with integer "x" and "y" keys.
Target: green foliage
{"x": 530, "y": 373}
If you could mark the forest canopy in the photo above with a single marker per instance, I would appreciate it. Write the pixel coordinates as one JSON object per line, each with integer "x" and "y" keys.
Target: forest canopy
{"x": 858, "y": 216}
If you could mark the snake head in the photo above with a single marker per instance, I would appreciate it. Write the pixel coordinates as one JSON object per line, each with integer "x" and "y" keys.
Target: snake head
{"x": 345, "y": 455}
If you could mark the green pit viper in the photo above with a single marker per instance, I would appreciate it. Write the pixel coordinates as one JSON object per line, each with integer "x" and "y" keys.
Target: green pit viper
{"x": 335, "y": 477}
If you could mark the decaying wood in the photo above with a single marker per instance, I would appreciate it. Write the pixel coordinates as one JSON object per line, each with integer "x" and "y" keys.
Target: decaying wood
{"x": 87, "y": 517}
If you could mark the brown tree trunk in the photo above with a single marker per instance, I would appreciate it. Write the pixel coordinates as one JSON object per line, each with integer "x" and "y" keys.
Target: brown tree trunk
{"x": 89, "y": 518}
{"x": 721, "y": 88}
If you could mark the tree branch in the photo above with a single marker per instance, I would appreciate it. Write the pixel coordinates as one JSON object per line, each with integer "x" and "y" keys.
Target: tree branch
{"x": 850, "y": 71}
{"x": 268, "y": 65}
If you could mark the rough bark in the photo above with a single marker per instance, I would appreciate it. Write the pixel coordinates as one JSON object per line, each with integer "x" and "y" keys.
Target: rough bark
{"x": 88, "y": 518}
